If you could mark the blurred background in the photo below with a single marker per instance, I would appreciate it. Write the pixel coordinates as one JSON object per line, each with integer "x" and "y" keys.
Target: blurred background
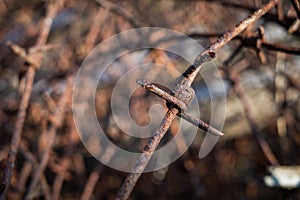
{"x": 260, "y": 69}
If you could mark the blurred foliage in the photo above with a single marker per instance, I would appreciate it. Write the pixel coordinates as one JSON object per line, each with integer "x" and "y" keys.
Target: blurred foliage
{"x": 236, "y": 166}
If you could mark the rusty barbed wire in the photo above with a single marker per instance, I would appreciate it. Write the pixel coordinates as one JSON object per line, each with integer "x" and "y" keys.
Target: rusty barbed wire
{"x": 181, "y": 84}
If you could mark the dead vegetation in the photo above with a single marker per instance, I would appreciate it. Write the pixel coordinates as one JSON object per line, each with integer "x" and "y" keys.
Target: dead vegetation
{"x": 43, "y": 46}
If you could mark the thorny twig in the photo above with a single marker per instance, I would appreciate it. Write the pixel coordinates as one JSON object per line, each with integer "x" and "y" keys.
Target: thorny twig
{"x": 34, "y": 63}
{"x": 182, "y": 84}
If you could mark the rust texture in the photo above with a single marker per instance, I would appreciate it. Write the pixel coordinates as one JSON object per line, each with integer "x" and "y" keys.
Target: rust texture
{"x": 200, "y": 124}
{"x": 182, "y": 86}
{"x": 141, "y": 163}
{"x": 171, "y": 100}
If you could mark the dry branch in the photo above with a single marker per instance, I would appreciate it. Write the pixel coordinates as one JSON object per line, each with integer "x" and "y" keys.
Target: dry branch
{"x": 7, "y": 174}
{"x": 31, "y": 158}
{"x": 91, "y": 183}
{"x": 253, "y": 42}
{"x": 34, "y": 63}
{"x": 56, "y": 121}
{"x": 233, "y": 75}
{"x": 296, "y": 5}
{"x": 91, "y": 37}
{"x": 120, "y": 11}
{"x": 248, "y": 109}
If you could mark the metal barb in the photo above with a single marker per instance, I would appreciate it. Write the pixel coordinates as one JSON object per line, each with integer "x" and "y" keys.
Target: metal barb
{"x": 166, "y": 95}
